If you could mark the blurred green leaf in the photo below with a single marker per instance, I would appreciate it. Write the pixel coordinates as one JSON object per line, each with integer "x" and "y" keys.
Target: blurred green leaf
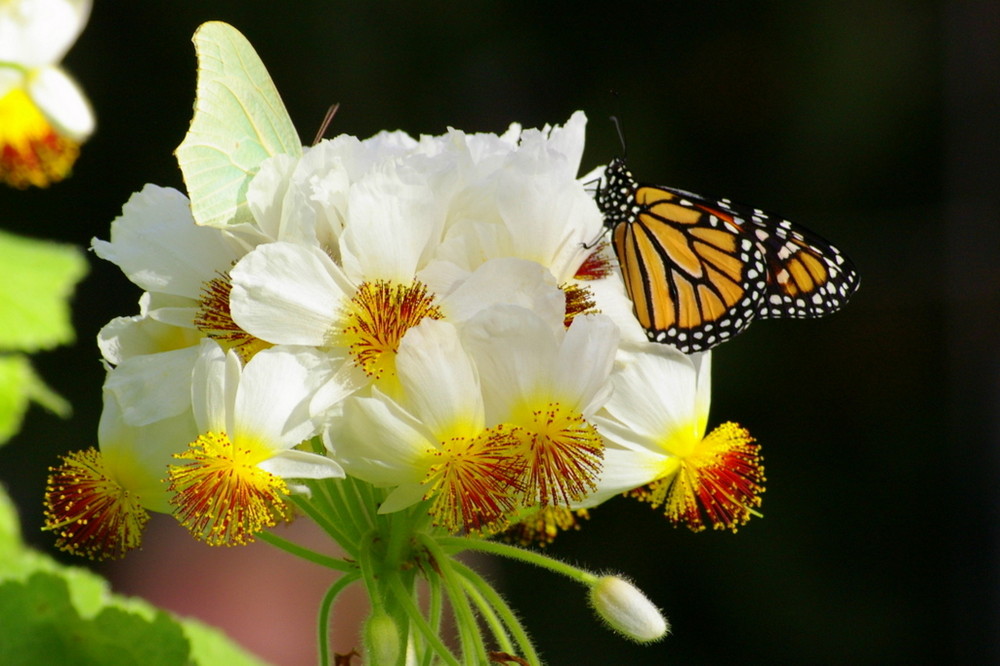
{"x": 54, "y": 614}
{"x": 20, "y": 385}
{"x": 36, "y": 281}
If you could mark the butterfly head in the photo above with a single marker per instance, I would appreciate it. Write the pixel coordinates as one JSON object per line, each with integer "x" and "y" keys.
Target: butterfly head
{"x": 616, "y": 194}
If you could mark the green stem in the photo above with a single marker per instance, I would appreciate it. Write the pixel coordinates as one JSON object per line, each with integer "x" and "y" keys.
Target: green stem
{"x": 403, "y": 598}
{"x": 306, "y": 554}
{"x": 458, "y": 544}
{"x": 469, "y": 634}
{"x": 366, "y": 558}
{"x": 328, "y": 526}
{"x": 324, "y": 616}
{"x": 485, "y": 610}
{"x": 435, "y": 611}
{"x": 507, "y": 614}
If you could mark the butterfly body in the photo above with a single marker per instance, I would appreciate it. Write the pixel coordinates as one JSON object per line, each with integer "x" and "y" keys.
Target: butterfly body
{"x": 699, "y": 271}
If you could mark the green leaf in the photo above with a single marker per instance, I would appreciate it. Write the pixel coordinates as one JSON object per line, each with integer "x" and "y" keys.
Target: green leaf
{"x": 19, "y": 385}
{"x": 36, "y": 281}
{"x": 239, "y": 121}
{"x": 54, "y": 614}
{"x": 41, "y": 626}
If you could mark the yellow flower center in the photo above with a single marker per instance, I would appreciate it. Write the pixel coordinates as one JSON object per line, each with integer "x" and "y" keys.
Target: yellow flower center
{"x": 215, "y": 320}
{"x": 541, "y": 526}
{"x": 31, "y": 151}
{"x": 563, "y": 453}
{"x": 579, "y": 300}
{"x": 222, "y": 497}
{"x": 474, "y": 483}
{"x": 720, "y": 480}
{"x": 377, "y": 318}
{"x": 89, "y": 511}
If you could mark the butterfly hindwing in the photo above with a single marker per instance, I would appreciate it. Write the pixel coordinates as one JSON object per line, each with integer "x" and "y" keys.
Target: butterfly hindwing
{"x": 808, "y": 277}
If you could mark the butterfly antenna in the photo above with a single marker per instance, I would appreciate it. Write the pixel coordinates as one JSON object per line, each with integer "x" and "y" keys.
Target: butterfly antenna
{"x": 327, "y": 119}
{"x": 619, "y": 126}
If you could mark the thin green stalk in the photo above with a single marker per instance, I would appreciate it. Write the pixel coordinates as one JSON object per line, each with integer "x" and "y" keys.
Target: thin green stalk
{"x": 403, "y": 598}
{"x": 365, "y": 494}
{"x": 342, "y": 511}
{"x": 326, "y": 525}
{"x": 324, "y": 616}
{"x": 469, "y": 634}
{"x": 506, "y": 613}
{"x": 340, "y": 496}
{"x": 306, "y": 554}
{"x": 458, "y": 544}
{"x": 366, "y": 559}
{"x": 435, "y": 610}
{"x": 487, "y": 612}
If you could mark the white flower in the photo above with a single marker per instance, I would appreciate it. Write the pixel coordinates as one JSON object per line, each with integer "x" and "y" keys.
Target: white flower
{"x": 98, "y": 500}
{"x": 250, "y": 421}
{"x": 44, "y": 116}
{"x": 434, "y": 443}
{"x": 182, "y": 268}
{"x": 547, "y": 382}
{"x": 655, "y": 423}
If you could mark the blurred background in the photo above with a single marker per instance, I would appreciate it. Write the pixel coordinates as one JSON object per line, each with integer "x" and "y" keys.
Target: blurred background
{"x": 875, "y": 124}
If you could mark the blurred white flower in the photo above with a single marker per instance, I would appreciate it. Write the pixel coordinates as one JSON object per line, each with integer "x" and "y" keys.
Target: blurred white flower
{"x": 44, "y": 116}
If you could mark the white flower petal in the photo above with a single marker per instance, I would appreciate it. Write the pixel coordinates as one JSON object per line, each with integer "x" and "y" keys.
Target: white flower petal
{"x": 159, "y": 247}
{"x": 125, "y": 337}
{"x": 62, "y": 101}
{"x": 508, "y": 281}
{"x": 391, "y": 225}
{"x": 440, "y": 381}
{"x": 585, "y": 359}
{"x": 623, "y": 470}
{"x": 295, "y": 464}
{"x": 208, "y": 388}
{"x": 654, "y": 398}
{"x": 287, "y": 294}
{"x": 137, "y": 457}
{"x": 378, "y": 441}
{"x": 153, "y": 386}
{"x": 272, "y": 402}
{"x": 39, "y": 32}
{"x": 514, "y": 351}
{"x": 402, "y": 497}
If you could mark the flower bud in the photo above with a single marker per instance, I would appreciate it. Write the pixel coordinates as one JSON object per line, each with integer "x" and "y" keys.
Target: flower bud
{"x": 381, "y": 637}
{"x": 627, "y": 610}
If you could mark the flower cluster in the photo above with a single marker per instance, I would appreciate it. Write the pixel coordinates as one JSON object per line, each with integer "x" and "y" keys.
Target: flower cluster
{"x": 419, "y": 343}
{"x": 44, "y": 117}
{"x": 434, "y": 311}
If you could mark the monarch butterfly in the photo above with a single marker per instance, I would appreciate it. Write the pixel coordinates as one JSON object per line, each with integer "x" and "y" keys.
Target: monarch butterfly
{"x": 699, "y": 270}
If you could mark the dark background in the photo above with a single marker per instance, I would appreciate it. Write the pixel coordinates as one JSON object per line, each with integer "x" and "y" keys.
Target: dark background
{"x": 872, "y": 123}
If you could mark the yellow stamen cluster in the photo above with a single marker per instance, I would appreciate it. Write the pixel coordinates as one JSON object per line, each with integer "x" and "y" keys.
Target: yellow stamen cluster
{"x": 475, "y": 484}
{"x": 32, "y": 152}
{"x": 564, "y": 456}
{"x": 720, "y": 481}
{"x": 89, "y": 511}
{"x": 378, "y": 316}
{"x": 222, "y": 497}
{"x": 215, "y": 320}
{"x": 579, "y": 300}
{"x": 541, "y": 526}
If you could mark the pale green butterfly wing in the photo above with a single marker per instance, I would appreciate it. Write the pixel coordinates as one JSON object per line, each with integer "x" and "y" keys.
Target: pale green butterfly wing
{"x": 239, "y": 121}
